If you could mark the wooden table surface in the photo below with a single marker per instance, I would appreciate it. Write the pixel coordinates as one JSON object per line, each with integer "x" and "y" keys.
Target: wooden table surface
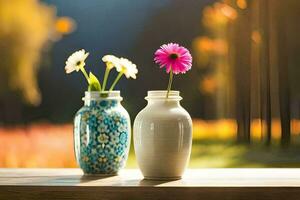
{"x": 207, "y": 184}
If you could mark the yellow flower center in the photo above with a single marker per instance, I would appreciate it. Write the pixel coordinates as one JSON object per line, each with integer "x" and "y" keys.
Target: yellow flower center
{"x": 124, "y": 69}
{"x": 78, "y": 63}
{"x": 109, "y": 65}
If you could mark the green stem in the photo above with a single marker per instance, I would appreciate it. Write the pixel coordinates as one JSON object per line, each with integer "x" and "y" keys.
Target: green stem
{"x": 116, "y": 81}
{"x": 170, "y": 83}
{"x": 107, "y": 70}
{"x": 85, "y": 74}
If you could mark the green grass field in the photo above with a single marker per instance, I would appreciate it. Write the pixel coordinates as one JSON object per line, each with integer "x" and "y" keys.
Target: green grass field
{"x": 220, "y": 153}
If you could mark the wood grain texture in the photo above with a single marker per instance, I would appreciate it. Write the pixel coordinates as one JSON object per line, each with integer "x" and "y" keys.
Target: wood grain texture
{"x": 261, "y": 184}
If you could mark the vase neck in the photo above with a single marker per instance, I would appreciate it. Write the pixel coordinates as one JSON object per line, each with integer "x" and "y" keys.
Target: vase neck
{"x": 162, "y": 94}
{"x": 98, "y": 97}
{"x": 160, "y": 97}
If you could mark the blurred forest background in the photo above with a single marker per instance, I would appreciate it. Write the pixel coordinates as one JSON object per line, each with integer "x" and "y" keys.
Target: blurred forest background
{"x": 242, "y": 92}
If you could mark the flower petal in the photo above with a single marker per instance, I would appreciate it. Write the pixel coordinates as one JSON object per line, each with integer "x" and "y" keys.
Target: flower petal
{"x": 73, "y": 60}
{"x": 181, "y": 64}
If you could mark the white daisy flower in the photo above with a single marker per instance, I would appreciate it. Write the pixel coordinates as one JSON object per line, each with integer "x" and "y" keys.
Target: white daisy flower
{"x": 111, "y": 61}
{"x": 95, "y": 112}
{"x": 115, "y": 139}
{"x": 76, "y": 61}
{"x": 127, "y": 68}
{"x": 122, "y": 128}
{"x": 102, "y": 128}
{"x": 94, "y": 151}
{"x": 102, "y": 138}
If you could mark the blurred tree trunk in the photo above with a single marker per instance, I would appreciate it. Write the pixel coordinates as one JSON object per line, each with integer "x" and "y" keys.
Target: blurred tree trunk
{"x": 264, "y": 10}
{"x": 243, "y": 72}
{"x": 260, "y": 46}
{"x": 283, "y": 75}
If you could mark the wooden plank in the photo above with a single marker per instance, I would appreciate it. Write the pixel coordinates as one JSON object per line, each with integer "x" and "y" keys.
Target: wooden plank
{"x": 93, "y": 193}
{"x": 196, "y": 184}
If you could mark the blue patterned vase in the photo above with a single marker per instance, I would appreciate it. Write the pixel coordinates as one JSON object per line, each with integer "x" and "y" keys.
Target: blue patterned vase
{"x": 102, "y": 134}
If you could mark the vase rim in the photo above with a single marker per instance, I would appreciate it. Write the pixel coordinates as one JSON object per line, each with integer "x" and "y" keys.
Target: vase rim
{"x": 96, "y": 95}
{"x": 161, "y": 95}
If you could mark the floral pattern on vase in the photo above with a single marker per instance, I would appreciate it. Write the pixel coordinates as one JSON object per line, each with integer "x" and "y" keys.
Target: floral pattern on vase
{"x": 102, "y": 136}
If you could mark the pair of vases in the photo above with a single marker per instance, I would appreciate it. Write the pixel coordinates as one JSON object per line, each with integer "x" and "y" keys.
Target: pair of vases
{"x": 162, "y": 135}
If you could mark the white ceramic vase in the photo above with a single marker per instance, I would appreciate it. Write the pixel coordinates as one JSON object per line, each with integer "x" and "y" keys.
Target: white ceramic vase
{"x": 163, "y": 136}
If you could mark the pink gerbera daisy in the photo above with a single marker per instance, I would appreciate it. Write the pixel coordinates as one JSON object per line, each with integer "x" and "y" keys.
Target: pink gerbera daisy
{"x": 174, "y": 57}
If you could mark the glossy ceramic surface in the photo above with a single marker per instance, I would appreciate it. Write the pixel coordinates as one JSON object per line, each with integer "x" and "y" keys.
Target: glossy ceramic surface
{"x": 102, "y": 134}
{"x": 163, "y": 136}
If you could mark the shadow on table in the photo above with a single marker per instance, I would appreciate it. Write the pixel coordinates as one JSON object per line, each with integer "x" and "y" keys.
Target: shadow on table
{"x": 147, "y": 182}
